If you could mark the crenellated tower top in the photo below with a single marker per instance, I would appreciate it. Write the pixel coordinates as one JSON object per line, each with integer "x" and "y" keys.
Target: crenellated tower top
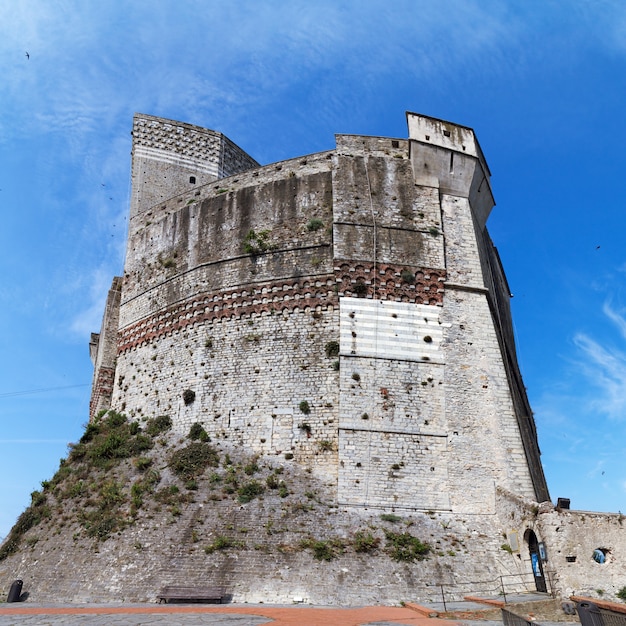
{"x": 170, "y": 157}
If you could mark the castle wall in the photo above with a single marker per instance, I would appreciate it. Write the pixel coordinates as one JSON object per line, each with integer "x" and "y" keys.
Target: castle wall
{"x": 103, "y": 352}
{"x": 249, "y": 375}
{"x": 244, "y": 330}
{"x": 234, "y": 290}
{"x": 570, "y": 538}
{"x": 198, "y": 243}
{"x": 343, "y": 319}
{"x": 393, "y": 434}
{"x": 172, "y": 157}
{"x": 419, "y": 414}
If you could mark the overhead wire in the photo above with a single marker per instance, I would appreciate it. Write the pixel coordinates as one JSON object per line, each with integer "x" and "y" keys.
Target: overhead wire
{"x": 42, "y": 390}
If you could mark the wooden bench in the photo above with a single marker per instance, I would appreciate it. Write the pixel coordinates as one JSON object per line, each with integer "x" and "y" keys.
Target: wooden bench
{"x": 179, "y": 593}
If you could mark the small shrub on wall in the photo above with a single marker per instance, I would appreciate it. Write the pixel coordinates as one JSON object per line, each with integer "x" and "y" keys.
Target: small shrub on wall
{"x": 332, "y": 348}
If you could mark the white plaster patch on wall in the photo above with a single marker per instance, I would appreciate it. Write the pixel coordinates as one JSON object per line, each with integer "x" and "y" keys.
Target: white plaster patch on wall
{"x": 162, "y": 156}
{"x": 282, "y": 429}
{"x": 390, "y": 330}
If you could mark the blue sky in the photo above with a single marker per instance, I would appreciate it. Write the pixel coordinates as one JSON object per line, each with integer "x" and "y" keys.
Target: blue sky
{"x": 542, "y": 82}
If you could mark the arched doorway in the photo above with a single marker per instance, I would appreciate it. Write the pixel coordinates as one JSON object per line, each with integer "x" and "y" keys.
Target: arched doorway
{"x": 535, "y": 560}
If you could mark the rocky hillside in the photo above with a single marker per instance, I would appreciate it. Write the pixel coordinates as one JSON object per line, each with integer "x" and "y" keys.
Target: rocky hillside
{"x": 134, "y": 507}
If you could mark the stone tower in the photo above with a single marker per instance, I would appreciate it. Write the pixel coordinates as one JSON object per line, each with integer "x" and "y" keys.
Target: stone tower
{"x": 339, "y": 325}
{"x": 345, "y": 311}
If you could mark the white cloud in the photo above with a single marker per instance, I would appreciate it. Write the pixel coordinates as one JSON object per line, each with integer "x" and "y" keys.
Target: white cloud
{"x": 88, "y": 319}
{"x": 31, "y": 441}
{"x": 604, "y": 367}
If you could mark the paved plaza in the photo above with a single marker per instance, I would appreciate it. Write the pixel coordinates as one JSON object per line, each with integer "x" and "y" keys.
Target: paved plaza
{"x": 196, "y": 615}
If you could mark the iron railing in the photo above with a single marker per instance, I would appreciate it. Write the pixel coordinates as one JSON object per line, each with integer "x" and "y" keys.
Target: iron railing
{"x": 502, "y": 587}
{"x": 612, "y": 618}
{"x": 511, "y": 619}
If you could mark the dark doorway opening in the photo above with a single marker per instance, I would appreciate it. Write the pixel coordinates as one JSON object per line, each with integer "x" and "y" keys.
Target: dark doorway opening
{"x": 535, "y": 560}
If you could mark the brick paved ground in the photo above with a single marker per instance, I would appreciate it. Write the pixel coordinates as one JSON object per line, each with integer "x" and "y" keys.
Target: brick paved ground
{"x": 194, "y": 615}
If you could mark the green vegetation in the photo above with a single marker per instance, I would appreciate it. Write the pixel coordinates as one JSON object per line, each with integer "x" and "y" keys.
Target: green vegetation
{"x": 105, "y": 441}
{"x": 100, "y": 499}
{"x": 365, "y": 542}
{"x": 332, "y": 348}
{"x": 256, "y": 243}
{"x": 304, "y": 407}
{"x": 390, "y": 517}
{"x": 314, "y": 224}
{"x": 32, "y": 516}
{"x": 191, "y": 461}
{"x": 189, "y": 395}
{"x": 108, "y": 480}
{"x": 142, "y": 463}
{"x": 106, "y": 516}
{"x": 157, "y": 425}
{"x": 324, "y": 550}
{"x": 407, "y": 277}
{"x": 197, "y": 432}
{"x": 621, "y": 594}
{"x": 405, "y": 547}
{"x": 251, "y": 468}
{"x": 223, "y": 542}
{"x": 304, "y": 426}
{"x": 250, "y": 490}
{"x": 168, "y": 262}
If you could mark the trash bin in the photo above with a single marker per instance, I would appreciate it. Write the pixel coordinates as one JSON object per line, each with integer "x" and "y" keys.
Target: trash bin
{"x": 589, "y": 614}
{"x": 15, "y": 592}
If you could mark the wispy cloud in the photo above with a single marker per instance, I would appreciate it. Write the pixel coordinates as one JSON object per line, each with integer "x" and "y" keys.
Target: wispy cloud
{"x": 89, "y": 316}
{"x": 604, "y": 368}
{"x": 31, "y": 441}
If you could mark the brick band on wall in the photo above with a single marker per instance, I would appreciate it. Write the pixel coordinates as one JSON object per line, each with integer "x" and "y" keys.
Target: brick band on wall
{"x": 424, "y": 286}
{"x": 102, "y": 390}
{"x": 275, "y": 296}
{"x": 390, "y": 282}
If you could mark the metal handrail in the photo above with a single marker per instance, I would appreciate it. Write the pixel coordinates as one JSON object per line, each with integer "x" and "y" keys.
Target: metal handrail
{"x": 511, "y": 619}
{"x": 501, "y": 586}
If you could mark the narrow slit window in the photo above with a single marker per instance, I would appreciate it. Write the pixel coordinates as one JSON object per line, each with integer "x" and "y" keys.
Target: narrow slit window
{"x": 451, "y": 162}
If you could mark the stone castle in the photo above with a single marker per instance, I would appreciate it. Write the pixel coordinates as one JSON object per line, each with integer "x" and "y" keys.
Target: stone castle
{"x": 344, "y": 315}
{"x": 355, "y": 292}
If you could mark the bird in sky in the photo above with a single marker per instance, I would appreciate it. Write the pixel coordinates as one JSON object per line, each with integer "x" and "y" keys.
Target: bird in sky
{"x": 27, "y": 55}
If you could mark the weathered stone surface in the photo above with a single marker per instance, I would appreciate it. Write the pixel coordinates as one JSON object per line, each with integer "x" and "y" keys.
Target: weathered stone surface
{"x": 344, "y": 315}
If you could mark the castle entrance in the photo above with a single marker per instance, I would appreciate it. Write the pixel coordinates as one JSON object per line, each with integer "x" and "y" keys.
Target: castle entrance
{"x": 535, "y": 560}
